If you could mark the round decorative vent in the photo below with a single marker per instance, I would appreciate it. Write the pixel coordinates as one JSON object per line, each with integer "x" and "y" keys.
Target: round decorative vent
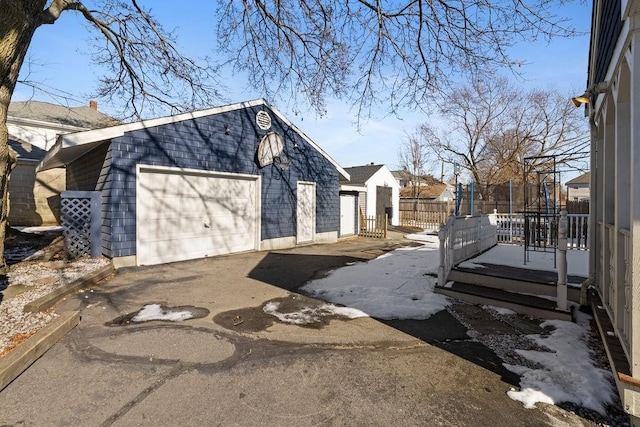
{"x": 263, "y": 120}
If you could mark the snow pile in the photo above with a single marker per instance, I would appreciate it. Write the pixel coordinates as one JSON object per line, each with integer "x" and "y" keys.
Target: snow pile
{"x": 310, "y": 315}
{"x": 396, "y": 285}
{"x": 399, "y": 285}
{"x": 155, "y": 312}
{"x": 567, "y": 373}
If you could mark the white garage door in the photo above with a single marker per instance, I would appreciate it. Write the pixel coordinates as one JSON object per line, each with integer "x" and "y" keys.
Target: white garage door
{"x": 186, "y": 215}
{"x": 347, "y": 214}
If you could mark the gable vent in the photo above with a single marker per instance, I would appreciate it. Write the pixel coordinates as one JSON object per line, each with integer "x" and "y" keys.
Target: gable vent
{"x": 263, "y": 120}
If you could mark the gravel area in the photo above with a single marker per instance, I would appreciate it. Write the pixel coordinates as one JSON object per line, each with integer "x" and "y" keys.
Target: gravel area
{"x": 38, "y": 269}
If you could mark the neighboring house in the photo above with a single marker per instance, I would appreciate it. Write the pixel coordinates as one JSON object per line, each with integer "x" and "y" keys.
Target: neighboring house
{"x": 404, "y": 177}
{"x": 437, "y": 192}
{"x": 33, "y": 128}
{"x": 578, "y": 188}
{"x": 223, "y": 180}
{"x": 407, "y": 179}
{"x": 378, "y": 191}
{"x": 613, "y": 109}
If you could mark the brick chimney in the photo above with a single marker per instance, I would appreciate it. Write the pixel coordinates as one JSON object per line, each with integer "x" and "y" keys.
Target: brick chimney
{"x": 93, "y": 105}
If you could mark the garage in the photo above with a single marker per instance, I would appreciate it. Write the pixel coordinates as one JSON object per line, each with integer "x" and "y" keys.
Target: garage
{"x": 228, "y": 179}
{"x": 185, "y": 215}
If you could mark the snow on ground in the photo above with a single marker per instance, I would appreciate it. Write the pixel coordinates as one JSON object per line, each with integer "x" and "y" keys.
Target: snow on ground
{"x": 38, "y": 229}
{"x": 567, "y": 373}
{"x": 396, "y": 285}
{"x": 155, "y": 312}
{"x": 310, "y": 315}
{"x": 399, "y": 285}
{"x": 511, "y": 255}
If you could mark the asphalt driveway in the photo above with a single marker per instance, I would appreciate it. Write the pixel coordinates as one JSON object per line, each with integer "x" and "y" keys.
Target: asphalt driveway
{"x": 237, "y": 365}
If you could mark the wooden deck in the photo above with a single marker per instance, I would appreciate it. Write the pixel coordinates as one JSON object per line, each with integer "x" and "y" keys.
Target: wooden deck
{"x": 520, "y": 273}
{"x": 521, "y": 289}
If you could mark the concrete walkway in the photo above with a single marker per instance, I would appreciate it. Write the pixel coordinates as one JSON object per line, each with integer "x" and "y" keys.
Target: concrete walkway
{"x": 237, "y": 365}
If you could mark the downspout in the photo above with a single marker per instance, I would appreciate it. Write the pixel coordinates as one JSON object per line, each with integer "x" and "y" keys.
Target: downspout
{"x": 593, "y": 201}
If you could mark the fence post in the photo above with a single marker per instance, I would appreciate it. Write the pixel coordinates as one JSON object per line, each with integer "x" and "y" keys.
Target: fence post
{"x": 562, "y": 261}
{"x": 478, "y": 237}
{"x": 386, "y": 221}
{"x": 442, "y": 235}
{"x": 451, "y": 241}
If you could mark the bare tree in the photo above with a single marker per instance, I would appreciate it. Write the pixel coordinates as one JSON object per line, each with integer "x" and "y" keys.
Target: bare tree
{"x": 493, "y": 126}
{"x": 144, "y": 67}
{"x": 373, "y": 53}
{"x": 395, "y": 54}
{"x": 414, "y": 159}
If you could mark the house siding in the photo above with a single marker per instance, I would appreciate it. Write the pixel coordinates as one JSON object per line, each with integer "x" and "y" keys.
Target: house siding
{"x": 610, "y": 26}
{"x": 90, "y": 173}
{"x": 202, "y": 144}
{"x": 34, "y": 199}
{"x": 83, "y": 173}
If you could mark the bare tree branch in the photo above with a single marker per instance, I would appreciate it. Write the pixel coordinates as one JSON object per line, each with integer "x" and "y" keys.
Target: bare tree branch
{"x": 492, "y": 131}
{"x": 396, "y": 54}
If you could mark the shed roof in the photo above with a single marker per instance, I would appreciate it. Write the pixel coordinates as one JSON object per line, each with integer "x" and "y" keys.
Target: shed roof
{"x": 361, "y": 174}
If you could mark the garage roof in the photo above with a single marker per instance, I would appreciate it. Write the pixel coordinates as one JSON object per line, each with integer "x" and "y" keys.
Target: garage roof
{"x": 70, "y": 147}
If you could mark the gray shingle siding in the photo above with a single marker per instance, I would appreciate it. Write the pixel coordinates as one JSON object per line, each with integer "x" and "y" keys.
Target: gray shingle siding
{"x": 610, "y": 27}
{"x": 203, "y": 145}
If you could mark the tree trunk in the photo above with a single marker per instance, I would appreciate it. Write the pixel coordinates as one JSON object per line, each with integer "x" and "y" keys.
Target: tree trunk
{"x": 18, "y": 21}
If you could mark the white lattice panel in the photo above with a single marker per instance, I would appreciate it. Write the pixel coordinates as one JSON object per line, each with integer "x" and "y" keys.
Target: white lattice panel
{"x": 76, "y": 223}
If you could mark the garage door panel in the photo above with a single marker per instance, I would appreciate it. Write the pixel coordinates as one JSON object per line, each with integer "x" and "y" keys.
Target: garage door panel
{"x": 185, "y": 216}
{"x": 174, "y": 250}
{"x": 164, "y": 228}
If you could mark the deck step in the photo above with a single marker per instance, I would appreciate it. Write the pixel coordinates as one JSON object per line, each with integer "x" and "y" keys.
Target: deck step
{"x": 516, "y": 280}
{"x": 530, "y": 305}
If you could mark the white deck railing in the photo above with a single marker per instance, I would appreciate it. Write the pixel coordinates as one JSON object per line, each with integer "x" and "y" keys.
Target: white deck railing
{"x": 511, "y": 229}
{"x": 578, "y": 234}
{"x": 462, "y": 238}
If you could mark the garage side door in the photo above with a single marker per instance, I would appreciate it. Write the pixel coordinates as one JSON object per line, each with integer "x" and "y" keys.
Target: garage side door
{"x": 187, "y": 215}
{"x": 347, "y": 214}
{"x": 306, "y": 212}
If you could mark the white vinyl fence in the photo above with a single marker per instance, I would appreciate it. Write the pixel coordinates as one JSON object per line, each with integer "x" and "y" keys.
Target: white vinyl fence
{"x": 511, "y": 229}
{"x": 462, "y": 238}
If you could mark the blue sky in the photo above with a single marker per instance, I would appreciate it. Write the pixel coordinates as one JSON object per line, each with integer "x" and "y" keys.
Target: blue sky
{"x": 60, "y": 61}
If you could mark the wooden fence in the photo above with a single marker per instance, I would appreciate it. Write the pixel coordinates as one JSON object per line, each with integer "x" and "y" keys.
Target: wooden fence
{"x": 373, "y": 226}
{"x": 423, "y": 220}
{"x": 577, "y": 206}
{"x": 422, "y": 205}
